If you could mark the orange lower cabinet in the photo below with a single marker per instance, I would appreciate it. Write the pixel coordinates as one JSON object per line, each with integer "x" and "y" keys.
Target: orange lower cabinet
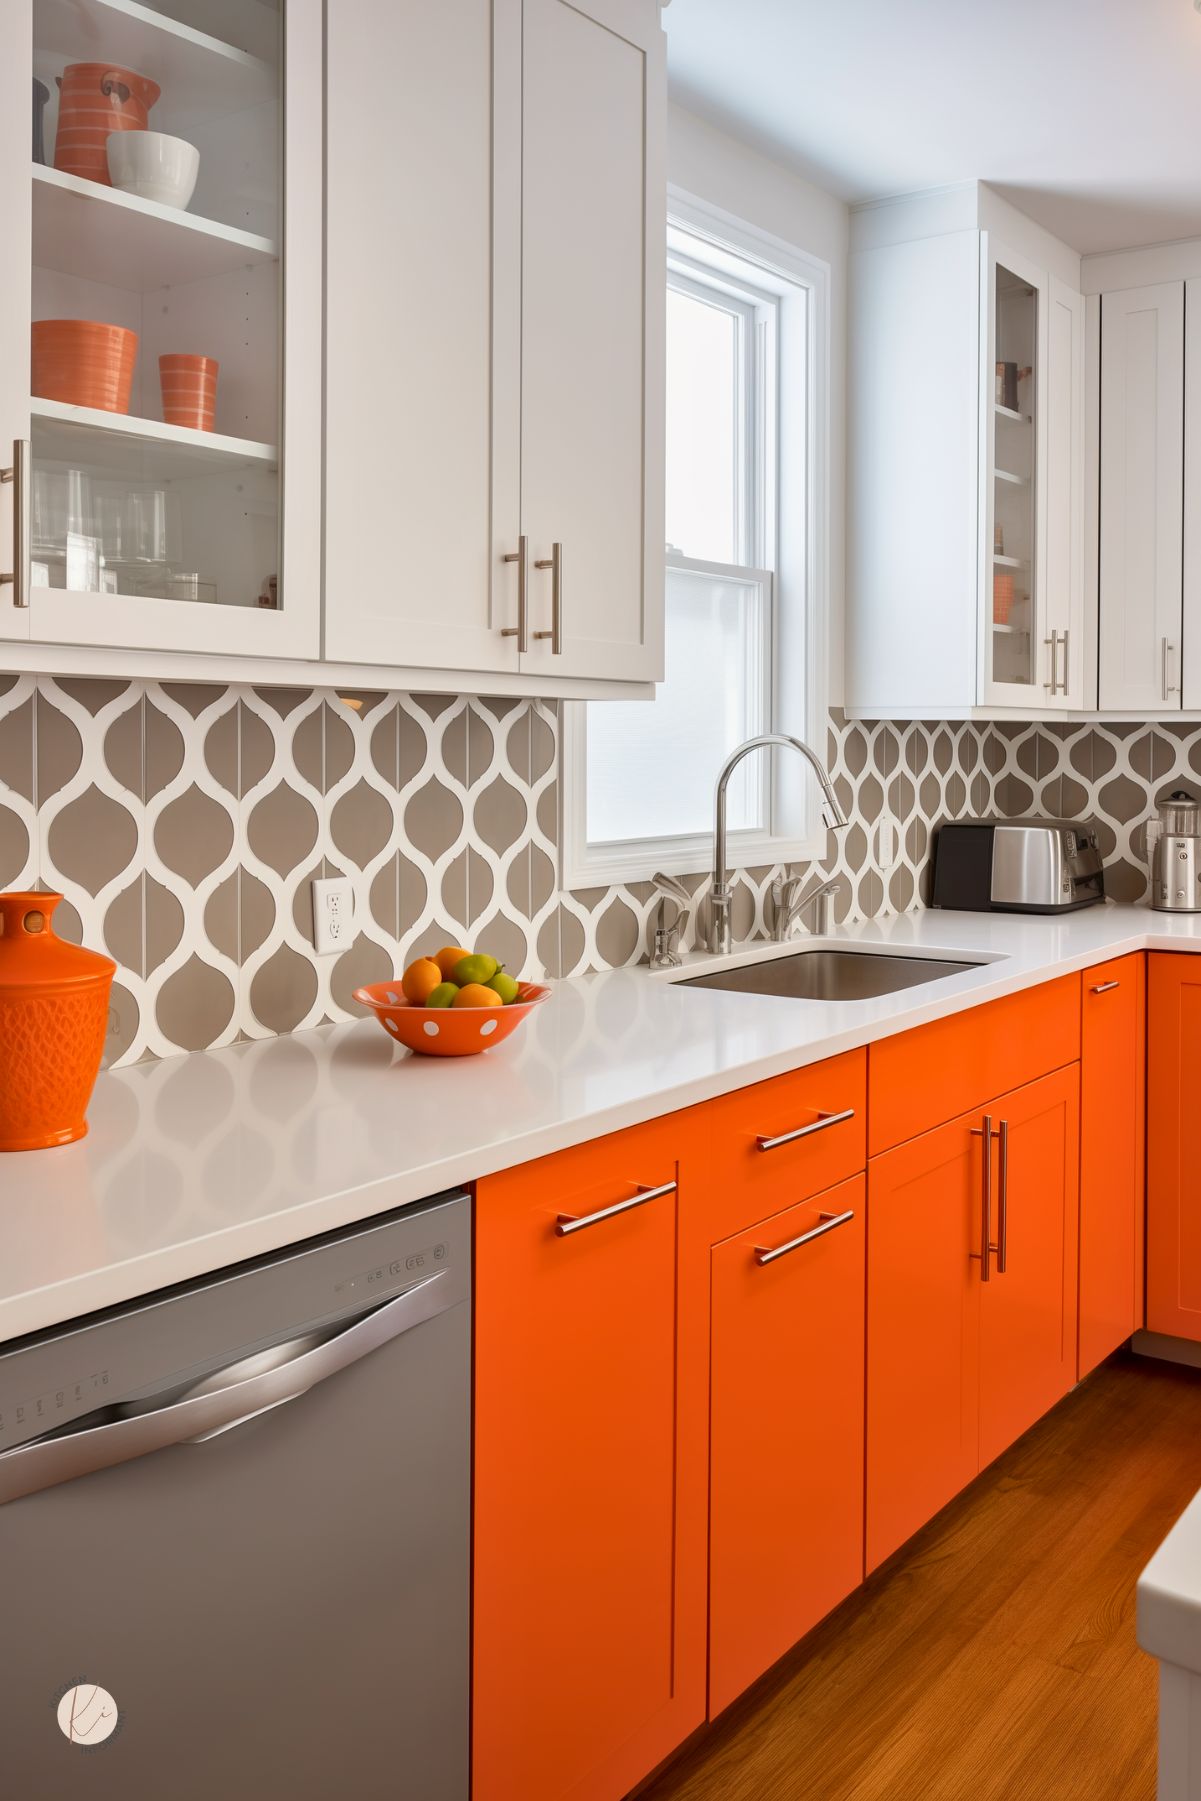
{"x": 925, "y": 1222}
{"x": 589, "y": 1644}
{"x": 1112, "y": 1090}
{"x": 1028, "y": 1305}
{"x": 786, "y": 1448}
{"x": 1173, "y": 1166}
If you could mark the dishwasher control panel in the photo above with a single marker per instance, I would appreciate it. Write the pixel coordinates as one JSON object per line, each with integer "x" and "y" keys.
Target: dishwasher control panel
{"x": 399, "y": 1273}
{"x": 36, "y": 1414}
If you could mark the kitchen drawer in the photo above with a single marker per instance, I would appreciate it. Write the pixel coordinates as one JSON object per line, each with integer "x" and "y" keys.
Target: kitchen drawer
{"x": 780, "y": 1141}
{"x": 921, "y": 1079}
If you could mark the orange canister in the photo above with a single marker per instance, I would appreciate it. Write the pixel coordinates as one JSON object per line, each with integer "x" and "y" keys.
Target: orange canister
{"x": 53, "y": 1017}
{"x": 98, "y": 98}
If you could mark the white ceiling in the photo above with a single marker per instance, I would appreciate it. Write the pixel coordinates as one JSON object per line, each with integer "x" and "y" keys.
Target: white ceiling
{"x": 1085, "y": 113}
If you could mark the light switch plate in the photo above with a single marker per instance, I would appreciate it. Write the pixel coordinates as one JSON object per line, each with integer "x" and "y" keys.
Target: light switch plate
{"x": 333, "y": 915}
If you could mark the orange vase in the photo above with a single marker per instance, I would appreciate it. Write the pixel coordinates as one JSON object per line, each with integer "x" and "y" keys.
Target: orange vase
{"x": 53, "y": 1018}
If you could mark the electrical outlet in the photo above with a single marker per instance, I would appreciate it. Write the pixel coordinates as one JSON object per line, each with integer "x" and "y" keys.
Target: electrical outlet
{"x": 887, "y": 835}
{"x": 333, "y": 915}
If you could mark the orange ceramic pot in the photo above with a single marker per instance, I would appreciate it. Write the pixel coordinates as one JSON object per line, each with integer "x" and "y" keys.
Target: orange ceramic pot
{"x": 84, "y": 362}
{"x": 53, "y": 1018}
{"x": 189, "y": 385}
{"x": 98, "y": 98}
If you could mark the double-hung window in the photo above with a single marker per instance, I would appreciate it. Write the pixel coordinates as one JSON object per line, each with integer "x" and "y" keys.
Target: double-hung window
{"x": 744, "y": 490}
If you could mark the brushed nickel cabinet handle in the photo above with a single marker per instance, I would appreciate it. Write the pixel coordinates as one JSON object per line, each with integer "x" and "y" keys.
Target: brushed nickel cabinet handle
{"x": 1166, "y": 649}
{"x": 567, "y": 1223}
{"x": 984, "y": 1131}
{"x": 1003, "y": 1201}
{"x": 1104, "y": 987}
{"x": 554, "y": 562}
{"x": 520, "y": 556}
{"x": 829, "y": 1223}
{"x": 820, "y": 1124}
{"x": 1052, "y": 644}
{"x": 1065, "y": 680}
{"x": 18, "y": 474}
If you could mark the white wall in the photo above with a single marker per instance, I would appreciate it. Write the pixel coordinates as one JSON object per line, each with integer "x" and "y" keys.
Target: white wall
{"x": 718, "y": 168}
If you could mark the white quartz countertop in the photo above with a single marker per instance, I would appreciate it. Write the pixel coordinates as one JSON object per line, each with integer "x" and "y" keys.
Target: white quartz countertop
{"x": 197, "y": 1162}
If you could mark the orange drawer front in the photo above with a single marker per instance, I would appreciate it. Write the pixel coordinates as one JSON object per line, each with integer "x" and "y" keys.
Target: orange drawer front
{"x": 921, "y": 1079}
{"x": 780, "y": 1141}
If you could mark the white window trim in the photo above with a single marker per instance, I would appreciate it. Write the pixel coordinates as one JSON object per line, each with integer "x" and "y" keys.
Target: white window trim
{"x": 781, "y": 267}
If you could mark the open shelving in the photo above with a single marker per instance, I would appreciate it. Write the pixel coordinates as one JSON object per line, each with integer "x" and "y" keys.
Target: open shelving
{"x": 100, "y": 234}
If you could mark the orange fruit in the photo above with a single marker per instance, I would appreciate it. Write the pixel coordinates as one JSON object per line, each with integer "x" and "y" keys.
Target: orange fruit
{"x": 447, "y": 958}
{"x": 419, "y": 981}
{"x": 476, "y": 995}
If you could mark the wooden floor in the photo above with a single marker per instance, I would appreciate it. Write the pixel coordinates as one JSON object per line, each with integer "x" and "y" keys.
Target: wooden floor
{"x": 994, "y": 1658}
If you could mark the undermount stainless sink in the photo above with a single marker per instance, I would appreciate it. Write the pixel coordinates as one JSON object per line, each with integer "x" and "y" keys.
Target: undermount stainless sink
{"x": 825, "y": 975}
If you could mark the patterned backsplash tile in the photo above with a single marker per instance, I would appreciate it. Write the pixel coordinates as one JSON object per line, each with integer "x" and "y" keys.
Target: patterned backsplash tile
{"x": 185, "y": 823}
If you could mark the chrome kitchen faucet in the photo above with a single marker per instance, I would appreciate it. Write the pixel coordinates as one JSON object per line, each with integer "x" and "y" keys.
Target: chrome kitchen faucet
{"x": 719, "y": 894}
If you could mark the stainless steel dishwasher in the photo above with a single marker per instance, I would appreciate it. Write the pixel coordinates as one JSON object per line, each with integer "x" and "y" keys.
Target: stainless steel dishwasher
{"x": 235, "y": 1531}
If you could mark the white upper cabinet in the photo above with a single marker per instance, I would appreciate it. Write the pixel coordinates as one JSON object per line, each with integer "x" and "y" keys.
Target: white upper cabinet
{"x": 966, "y": 552}
{"x": 1190, "y": 657}
{"x": 144, "y": 517}
{"x": 421, "y": 439}
{"x": 1065, "y": 620}
{"x": 495, "y": 296}
{"x": 1142, "y": 498}
{"x": 592, "y": 359}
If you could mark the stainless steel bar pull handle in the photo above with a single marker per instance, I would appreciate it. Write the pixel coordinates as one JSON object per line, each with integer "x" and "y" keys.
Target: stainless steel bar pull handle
{"x": 1166, "y": 651}
{"x": 554, "y": 562}
{"x": 984, "y": 1132}
{"x": 567, "y": 1223}
{"x": 18, "y": 474}
{"x": 829, "y": 1223}
{"x": 520, "y": 631}
{"x": 1052, "y": 644}
{"x": 1065, "y": 679}
{"x": 1003, "y": 1202}
{"x": 47, "y": 1461}
{"x": 1104, "y": 987}
{"x": 820, "y": 1124}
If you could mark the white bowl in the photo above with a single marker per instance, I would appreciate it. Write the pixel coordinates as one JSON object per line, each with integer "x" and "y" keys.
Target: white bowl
{"x": 153, "y": 166}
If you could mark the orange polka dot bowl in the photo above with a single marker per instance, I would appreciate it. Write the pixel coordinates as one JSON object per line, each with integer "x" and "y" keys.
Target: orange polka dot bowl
{"x": 448, "y": 1031}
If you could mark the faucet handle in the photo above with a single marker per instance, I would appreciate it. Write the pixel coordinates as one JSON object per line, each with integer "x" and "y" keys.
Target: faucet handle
{"x": 666, "y": 932}
{"x": 668, "y": 884}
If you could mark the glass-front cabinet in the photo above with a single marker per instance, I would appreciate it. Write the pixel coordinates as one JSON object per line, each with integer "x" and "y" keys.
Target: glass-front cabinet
{"x": 161, "y": 320}
{"x": 1031, "y": 580}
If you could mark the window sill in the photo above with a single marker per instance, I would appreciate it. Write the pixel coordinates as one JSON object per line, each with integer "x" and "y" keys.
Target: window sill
{"x": 611, "y": 865}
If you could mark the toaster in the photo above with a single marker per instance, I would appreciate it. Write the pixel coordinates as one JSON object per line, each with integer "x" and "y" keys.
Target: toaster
{"x": 1017, "y": 866}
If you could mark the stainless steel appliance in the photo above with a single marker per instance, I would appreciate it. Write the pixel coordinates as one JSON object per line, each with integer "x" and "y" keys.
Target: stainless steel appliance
{"x": 1017, "y": 866}
{"x": 235, "y": 1531}
{"x": 1174, "y": 845}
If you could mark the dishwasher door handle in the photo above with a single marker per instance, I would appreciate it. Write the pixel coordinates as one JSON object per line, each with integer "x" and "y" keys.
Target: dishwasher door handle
{"x": 27, "y": 1469}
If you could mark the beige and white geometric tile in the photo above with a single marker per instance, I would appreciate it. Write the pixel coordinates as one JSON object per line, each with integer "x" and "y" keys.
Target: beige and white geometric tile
{"x": 184, "y": 824}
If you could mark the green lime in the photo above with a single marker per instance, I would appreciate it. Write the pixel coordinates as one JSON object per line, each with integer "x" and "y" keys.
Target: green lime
{"x": 505, "y": 986}
{"x": 477, "y": 968}
{"x": 443, "y": 995}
